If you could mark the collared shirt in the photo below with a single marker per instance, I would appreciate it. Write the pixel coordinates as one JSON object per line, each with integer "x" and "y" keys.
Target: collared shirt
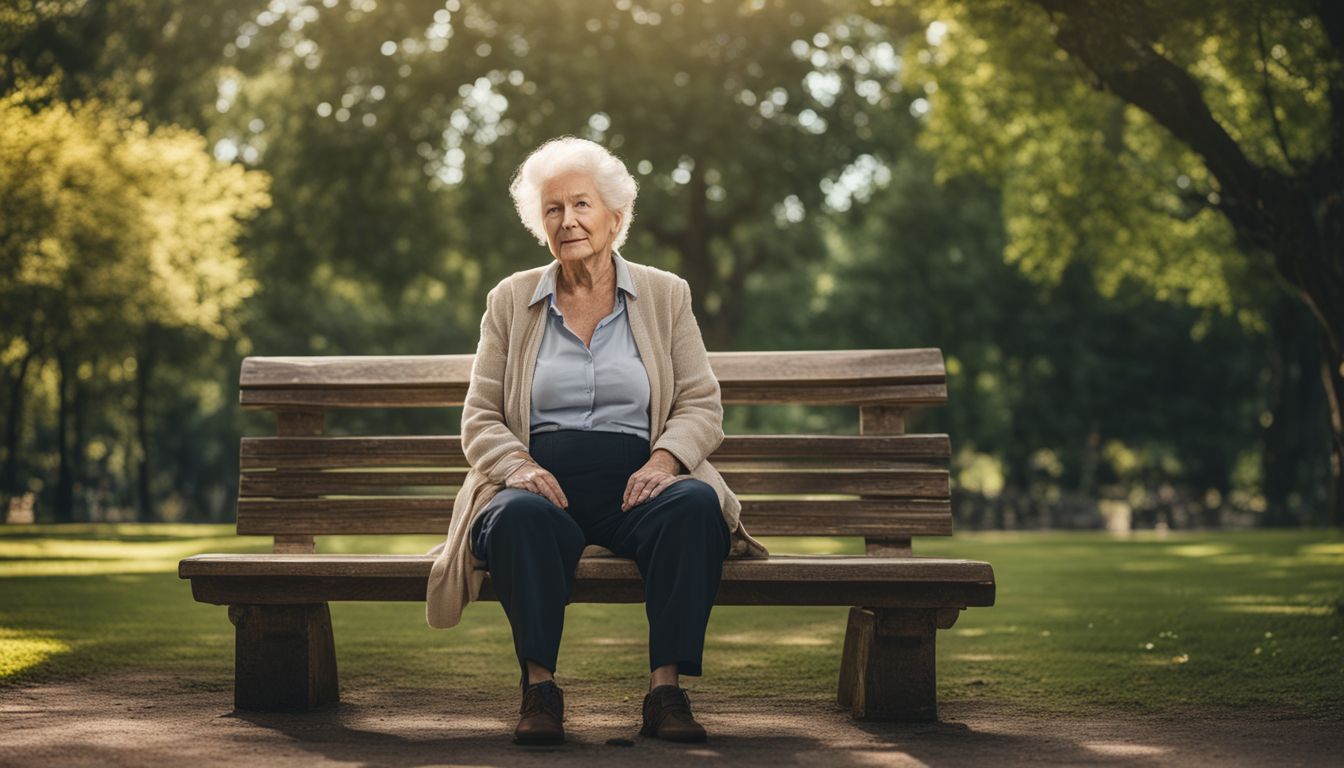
{"x": 599, "y": 387}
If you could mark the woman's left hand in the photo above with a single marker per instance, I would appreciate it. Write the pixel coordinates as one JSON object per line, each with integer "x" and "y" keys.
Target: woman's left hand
{"x": 653, "y": 478}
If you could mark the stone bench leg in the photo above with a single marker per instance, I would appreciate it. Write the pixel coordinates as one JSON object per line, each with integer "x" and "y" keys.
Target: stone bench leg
{"x": 284, "y": 658}
{"x": 887, "y": 670}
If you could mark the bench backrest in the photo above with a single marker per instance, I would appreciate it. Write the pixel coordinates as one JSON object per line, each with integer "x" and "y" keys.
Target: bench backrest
{"x": 883, "y": 484}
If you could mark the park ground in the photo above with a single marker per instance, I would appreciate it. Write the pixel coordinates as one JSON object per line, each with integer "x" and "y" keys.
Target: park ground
{"x": 1178, "y": 649}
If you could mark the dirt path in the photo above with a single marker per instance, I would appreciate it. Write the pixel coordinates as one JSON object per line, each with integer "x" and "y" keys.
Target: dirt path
{"x": 147, "y": 720}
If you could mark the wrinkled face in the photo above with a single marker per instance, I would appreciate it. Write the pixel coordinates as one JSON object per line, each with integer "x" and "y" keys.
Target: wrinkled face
{"x": 578, "y": 224}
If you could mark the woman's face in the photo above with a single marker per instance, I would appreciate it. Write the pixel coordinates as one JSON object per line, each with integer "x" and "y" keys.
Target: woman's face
{"x": 578, "y": 224}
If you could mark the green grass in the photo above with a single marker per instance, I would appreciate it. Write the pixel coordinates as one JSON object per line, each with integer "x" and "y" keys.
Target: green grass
{"x": 1083, "y": 621}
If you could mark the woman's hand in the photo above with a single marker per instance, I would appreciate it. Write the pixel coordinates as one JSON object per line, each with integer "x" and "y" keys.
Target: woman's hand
{"x": 653, "y": 478}
{"x": 533, "y": 477}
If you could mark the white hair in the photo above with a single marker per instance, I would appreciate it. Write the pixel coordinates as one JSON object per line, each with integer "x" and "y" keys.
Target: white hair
{"x": 615, "y": 185}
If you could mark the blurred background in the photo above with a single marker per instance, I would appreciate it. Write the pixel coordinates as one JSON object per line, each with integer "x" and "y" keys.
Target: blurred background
{"x": 183, "y": 184}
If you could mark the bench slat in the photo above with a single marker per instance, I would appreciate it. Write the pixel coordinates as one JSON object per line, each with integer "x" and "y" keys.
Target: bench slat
{"x": 912, "y": 377}
{"x": 904, "y": 467}
{"x": 269, "y": 590}
{"x": 908, "y": 483}
{"x": 428, "y": 515}
{"x": 871, "y": 366}
{"x": 446, "y": 396}
{"x": 780, "y": 580}
{"x": 442, "y": 451}
{"x": 775, "y": 568}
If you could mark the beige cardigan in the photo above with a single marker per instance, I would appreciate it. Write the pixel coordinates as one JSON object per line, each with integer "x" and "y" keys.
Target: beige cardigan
{"x": 685, "y": 414}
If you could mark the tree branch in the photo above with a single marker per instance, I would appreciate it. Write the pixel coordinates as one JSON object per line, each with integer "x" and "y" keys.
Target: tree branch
{"x": 1280, "y": 213}
{"x": 1269, "y": 91}
{"x": 1137, "y": 73}
{"x": 1331, "y": 14}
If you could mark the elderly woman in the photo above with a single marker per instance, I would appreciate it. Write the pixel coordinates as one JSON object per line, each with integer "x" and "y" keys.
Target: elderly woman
{"x": 589, "y": 416}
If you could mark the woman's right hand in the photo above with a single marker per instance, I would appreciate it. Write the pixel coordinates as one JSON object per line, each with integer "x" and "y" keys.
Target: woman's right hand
{"x": 533, "y": 477}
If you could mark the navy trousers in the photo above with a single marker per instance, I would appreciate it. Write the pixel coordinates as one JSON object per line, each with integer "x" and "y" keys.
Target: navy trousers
{"x": 531, "y": 547}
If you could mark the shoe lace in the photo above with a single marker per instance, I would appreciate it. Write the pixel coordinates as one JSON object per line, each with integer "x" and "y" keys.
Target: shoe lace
{"x": 676, "y": 702}
{"x": 542, "y": 697}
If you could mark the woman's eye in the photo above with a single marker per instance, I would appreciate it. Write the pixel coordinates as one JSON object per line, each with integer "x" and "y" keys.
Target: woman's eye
{"x": 583, "y": 202}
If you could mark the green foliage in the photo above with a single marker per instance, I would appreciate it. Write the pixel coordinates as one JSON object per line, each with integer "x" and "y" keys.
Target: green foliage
{"x": 1030, "y": 367}
{"x": 1085, "y": 176}
{"x": 113, "y": 232}
{"x": 110, "y": 223}
{"x": 727, "y": 112}
{"x": 784, "y": 155}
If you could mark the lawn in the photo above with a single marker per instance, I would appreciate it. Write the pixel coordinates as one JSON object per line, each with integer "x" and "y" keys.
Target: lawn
{"x": 1083, "y": 622}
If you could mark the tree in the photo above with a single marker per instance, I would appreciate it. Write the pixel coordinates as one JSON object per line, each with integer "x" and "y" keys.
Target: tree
{"x": 390, "y": 130}
{"x": 1194, "y": 146}
{"x": 113, "y": 234}
{"x": 725, "y": 111}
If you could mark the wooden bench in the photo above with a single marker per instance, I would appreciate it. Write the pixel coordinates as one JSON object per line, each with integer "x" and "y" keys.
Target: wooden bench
{"x": 882, "y": 484}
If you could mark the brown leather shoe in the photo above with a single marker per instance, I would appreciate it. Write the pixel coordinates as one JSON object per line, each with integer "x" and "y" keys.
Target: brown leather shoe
{"x": 543, "y": 715}
{"x": 667, "y": 715}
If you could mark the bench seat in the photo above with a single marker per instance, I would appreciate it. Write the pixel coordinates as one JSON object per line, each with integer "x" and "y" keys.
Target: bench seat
{"x": 273, "y": 579}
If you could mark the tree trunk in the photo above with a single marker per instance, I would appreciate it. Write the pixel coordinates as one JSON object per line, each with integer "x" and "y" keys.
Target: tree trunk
{"x": 127, "y": 489}
{"x": 697, "y": 264}
{"x": 1091, "y": 462}
{"x": 64, "y": 501}
{"x": 1331, "y": 366}
{"x": 1296, "y": 447}
{"x": 144, "y": 372}
{"x": 716, "y": 298}
{"x": 78, "y": 466}
{"x": 1297, "y": 217}
{"x": 1310, "y": 224}
{"x": 9, "y": 474}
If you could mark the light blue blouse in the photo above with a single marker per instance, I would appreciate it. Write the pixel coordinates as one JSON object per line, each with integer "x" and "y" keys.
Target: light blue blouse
{"x": 602, "y": 387}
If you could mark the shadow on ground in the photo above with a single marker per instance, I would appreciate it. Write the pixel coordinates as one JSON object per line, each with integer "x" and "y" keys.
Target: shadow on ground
{"x": 150, "y": 720}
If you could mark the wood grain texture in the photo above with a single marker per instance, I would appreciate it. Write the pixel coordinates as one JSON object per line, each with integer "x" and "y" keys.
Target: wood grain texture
{"x": 908, "y": 395}
{"x": 888, "y": 664}
{"x": 270, "y": 590}
{"x": 407, "y": 483}
{"x": 430, "y": 515}
{"x": 445, "y": 451}
{"x": 884, "y": 485}
{"x": 350, "y": 452}
{"x": 900, "y": 483}
{"x": 302, "y": 424}
{"x": 293, "y": 543}
{"x": 886, "y": 544}
{"x": 870, "y": 366}
{"x": 912, "y": 377}
{"x": 305, "y": 482}
{"x": 780, "y": 568}
{"x": 284, "y": 656}
{"x": 879, "y": 420}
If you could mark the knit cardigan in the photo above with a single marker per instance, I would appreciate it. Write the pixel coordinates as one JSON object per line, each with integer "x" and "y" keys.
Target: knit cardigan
{"x": 685, "y": 414}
